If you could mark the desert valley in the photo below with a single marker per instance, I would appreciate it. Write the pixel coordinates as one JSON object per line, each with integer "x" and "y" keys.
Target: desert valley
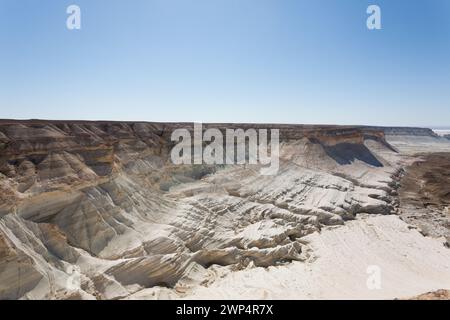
{"x": 96, "y": 210}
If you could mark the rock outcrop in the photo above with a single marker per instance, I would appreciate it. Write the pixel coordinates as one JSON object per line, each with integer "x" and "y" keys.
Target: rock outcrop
{"x": 97, "y": 209}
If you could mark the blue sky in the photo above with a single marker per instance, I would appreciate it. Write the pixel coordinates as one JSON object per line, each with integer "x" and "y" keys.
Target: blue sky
{"x": 280, "y": 61}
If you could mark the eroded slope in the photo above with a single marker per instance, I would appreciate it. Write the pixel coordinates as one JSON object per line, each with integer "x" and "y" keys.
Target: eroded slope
{"x": 97, "y": 209}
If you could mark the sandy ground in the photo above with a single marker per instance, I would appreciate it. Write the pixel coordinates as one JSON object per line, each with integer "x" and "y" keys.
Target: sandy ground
{"x": 345, "y": 259}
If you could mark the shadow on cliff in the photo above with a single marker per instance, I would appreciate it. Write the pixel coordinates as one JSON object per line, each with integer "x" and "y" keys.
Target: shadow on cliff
{"x": 346, "y": 153}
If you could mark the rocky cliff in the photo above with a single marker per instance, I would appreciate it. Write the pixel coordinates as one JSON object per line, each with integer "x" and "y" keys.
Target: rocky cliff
{"x": 97, "y": 209}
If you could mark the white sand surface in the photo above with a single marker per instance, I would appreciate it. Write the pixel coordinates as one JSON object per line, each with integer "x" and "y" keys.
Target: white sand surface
{"x": 409, "y": 264}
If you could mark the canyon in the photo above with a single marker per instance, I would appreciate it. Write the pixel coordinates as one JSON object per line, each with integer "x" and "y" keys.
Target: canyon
{"x": 97, "y": 210}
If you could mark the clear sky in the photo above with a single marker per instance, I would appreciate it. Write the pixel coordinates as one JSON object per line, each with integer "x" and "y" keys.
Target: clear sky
{"x": 280, "y": 61}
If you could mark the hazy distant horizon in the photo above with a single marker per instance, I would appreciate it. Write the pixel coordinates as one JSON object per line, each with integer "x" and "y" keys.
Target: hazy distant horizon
{"x": 434, "y": 128}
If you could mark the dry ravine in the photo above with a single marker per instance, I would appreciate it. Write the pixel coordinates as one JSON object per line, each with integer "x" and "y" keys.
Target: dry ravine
{"x": 97, "y": 210}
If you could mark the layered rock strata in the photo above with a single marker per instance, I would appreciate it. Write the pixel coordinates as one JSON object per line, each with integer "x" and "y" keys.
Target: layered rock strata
{"x": 96, "y": 210}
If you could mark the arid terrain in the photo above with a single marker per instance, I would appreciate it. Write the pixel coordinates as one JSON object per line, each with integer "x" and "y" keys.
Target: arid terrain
{"x": 96, "y": 210}
{"x": 425, "y": 195}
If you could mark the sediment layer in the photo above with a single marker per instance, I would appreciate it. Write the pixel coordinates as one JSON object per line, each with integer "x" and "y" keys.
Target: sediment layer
{"x": 97, "y": 209}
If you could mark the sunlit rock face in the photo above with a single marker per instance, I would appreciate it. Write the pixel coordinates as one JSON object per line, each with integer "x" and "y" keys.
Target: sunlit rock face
{"x": 97, "y": 210}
